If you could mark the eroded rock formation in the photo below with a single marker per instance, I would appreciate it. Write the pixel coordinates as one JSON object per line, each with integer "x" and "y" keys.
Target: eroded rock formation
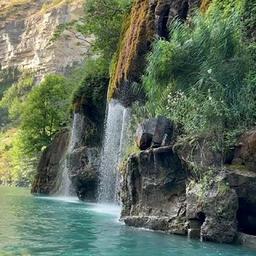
{"x": 25, "y": 38}
{"x": 164, "y": 190}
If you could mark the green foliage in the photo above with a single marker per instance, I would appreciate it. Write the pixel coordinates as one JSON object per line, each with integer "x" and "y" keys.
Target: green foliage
{"x": 14, "y": 98}
{"x": 202, "y": 78}
{"x": 7, "y": 78}
{"x": 44, "y": 111}
{"x": 103, "y": 20}
{"x": 90, "y": 98}
{"x": 249, "y": 19}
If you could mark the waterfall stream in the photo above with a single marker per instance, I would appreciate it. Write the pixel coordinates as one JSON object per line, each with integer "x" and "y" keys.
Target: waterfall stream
{"x": 65, "y": 185}
{"x": 115, "y": 138}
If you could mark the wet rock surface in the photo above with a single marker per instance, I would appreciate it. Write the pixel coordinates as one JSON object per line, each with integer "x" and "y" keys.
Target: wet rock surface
{"x": 49, "y": 165}
{"x": 84, "y": 163}
{"x": 153, "y": 192}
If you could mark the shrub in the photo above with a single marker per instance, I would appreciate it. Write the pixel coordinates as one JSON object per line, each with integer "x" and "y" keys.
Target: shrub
{"x": 202, "y": 78}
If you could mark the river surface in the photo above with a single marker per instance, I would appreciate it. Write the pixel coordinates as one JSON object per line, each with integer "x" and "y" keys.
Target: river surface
{"x": 51, "y": 226}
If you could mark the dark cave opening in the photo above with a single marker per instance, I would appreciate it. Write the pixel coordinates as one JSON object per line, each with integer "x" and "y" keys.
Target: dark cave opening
{"x": 246, "y": 217}
{"x": 201, "y": 217}
{"x": 183, "y": 12}
{"x": 163, "y": 30}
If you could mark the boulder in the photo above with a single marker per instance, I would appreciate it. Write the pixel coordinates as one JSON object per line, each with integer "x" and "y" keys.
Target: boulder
{"x": 153, "y": 191}
{"x": 48, "y": 168}
{"x": 154, "y": 132}
{"x": 245, "y": 152}
{"x": 83, "y": 165}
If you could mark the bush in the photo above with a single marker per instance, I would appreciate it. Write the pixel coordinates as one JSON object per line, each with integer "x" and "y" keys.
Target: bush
{"x": 202, "y": 78}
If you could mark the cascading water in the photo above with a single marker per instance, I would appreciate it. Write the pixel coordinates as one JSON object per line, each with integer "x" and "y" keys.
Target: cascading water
{"x": 115, "y": 136}
{"x": 65, "y": 185}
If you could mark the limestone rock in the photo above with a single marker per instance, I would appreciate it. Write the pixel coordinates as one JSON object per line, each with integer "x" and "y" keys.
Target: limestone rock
{"x": 25, "y": 38}
{"x": 48, "y": 168}
{"x": 154, "y": 132}
{"x": 153, "y": 191}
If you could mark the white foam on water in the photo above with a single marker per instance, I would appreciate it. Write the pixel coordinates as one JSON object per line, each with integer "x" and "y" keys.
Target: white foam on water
{"x": 111, "y": 209}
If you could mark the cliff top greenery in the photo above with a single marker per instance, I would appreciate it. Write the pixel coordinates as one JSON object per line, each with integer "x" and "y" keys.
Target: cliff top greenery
{"x": 203, "y": 77}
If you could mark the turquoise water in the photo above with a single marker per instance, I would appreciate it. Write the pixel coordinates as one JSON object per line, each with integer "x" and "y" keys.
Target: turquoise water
{"x": 46, "y": 226}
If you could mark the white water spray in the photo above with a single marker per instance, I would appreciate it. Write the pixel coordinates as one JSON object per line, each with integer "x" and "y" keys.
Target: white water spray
{"x": 65, "y": 188}
{"x": 115, "y": 138}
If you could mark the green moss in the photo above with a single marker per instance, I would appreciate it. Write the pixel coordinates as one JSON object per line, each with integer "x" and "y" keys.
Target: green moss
{"x": 90, "y": 99}
{"x": 138, "y": 32}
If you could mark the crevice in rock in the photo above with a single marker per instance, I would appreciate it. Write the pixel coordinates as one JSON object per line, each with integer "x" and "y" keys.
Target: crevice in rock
{"x": 201, "y": 218}
{"x": 163, "y": 23}
{"x": 183, "y": 12}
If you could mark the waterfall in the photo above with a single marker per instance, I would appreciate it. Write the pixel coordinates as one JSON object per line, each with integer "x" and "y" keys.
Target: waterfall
{"x": 115, "y": 138}
{"x": 65, "y": 187}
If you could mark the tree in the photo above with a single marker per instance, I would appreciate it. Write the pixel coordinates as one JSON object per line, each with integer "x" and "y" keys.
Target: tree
{"x": 44, "y": 112}
{"x": 104, "y": 20}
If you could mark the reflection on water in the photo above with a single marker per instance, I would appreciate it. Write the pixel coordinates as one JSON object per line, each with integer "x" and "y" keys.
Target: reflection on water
{"x": 64, "y": 226}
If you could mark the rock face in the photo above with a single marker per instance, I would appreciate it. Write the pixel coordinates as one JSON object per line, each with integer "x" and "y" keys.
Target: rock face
{"x": 161, "y": 191}
{"x": 48, "y": 168}
{"x": 244, "y": 183}
{"x": 84, "y": 163}
{"x": 26, "y": 33}
{"x": 153, "y": 192}
{"x": 212, "y": 211}
{"x": 154, "y": 133}
{"x": 245, "y": 153}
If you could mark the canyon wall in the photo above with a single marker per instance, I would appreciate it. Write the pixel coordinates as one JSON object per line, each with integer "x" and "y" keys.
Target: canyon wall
{"x": 26, "y": 33}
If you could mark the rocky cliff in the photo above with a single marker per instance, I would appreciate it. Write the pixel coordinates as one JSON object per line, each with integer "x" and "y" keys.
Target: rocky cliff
{"x": 163, "y": 190}
{"x": 26, "y": 30}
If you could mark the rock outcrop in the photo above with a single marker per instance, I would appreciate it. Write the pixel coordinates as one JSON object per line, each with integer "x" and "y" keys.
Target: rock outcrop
{"x": 211, "y": 210}
{"x": 154, "y": 132}
{"x": 26, "y": 31}
{"x": 245, "y": 152}
{"x": 164, "y": 190}
{"x": 48, "y": 168}
{"x": 153, "y": 191}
